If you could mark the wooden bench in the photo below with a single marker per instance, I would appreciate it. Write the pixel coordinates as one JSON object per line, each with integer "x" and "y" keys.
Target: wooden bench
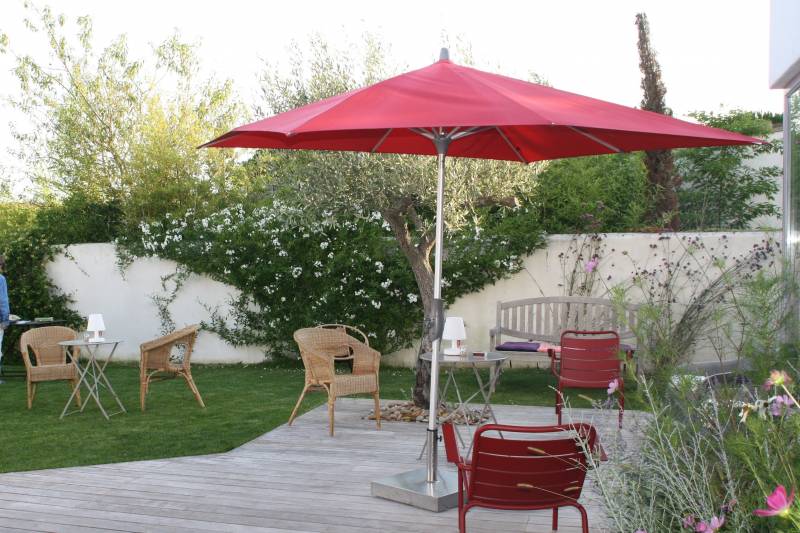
{"x": 534, "y": 321}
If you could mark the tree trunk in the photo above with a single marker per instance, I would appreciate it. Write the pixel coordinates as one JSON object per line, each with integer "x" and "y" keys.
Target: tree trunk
{"x": 418, "y": 256}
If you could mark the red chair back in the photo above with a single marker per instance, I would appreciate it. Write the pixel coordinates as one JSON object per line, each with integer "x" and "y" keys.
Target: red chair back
{"x": 529, "y": 472}
{"x": 589, "y": 359}
{"x": 450, "y": 444}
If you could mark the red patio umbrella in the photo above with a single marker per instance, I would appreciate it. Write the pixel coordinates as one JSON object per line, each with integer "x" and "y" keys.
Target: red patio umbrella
{"x": 448, "y": 109}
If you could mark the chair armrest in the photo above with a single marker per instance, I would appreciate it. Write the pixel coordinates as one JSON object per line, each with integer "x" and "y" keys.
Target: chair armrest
{"x": 364, "y": 357}
{"x": 319, "y": 365}
{"x": 555, "y": 359}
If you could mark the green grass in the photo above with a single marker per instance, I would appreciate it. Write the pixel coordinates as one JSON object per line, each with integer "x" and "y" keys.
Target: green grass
{"x": 242, "y": 402}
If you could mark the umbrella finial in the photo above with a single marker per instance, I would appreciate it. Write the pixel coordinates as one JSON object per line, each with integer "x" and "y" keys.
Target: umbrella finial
{"x": 444, "y": 54}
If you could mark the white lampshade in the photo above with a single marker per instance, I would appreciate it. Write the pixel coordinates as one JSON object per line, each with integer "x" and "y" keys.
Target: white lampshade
{"x": 96, "y": 325}
{"x": 454, "y": 329}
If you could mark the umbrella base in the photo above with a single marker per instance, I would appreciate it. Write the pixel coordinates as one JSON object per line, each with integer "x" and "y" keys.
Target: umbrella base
{"x": 412, "y": 488}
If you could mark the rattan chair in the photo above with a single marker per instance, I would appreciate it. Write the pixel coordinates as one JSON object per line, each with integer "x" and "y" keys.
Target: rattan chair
{"x": 319, "y": 348}
{"x": 51, "y": 359}
{"x": 157, "y": 361}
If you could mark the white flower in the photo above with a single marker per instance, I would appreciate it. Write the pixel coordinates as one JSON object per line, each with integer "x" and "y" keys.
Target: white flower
{"x": 386, "y": 284}
{"x": 283, "y": 298}
{"x": 283, "y": 253}
{"x": 379, "y": 266}
{"x": 412, "y": 298}
{"x": 391, "y": 333}
{"x": 376, "y": 305}
{"x": 317, "y": 274}
{"x": 330, "y": 255}
{"x": 296, "y": 271}
{"x": 318, "y": 264}
{"x": 324, "y": 244}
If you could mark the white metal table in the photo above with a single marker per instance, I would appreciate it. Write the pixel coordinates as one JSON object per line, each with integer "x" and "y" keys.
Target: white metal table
{"x": 92, "y": 374}
{"x": 493, "y": 361}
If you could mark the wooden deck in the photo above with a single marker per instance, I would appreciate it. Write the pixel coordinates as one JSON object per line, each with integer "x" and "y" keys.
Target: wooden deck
{"x": 288, "y": 480}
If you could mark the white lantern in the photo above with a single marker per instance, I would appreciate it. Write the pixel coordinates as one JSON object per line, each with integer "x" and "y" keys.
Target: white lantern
{"x": 455, "y": 333}
{"x": 97, "y": 326}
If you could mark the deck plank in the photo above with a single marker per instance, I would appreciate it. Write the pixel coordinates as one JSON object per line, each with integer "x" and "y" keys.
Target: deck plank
{"x": 292, "y": 479}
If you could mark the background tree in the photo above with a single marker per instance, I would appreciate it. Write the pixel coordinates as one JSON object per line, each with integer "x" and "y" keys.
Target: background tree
{"x": 719, "y": 190}
{"x": 108, "y": 128}
{"x": 660, "y": 163}
{"x": 400, "y": 188}
{"x": 611, "y": 191}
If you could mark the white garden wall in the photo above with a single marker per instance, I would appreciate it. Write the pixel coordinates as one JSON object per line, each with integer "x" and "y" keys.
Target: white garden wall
{"x": 543, "y": 275}
{"x": 89, "y": 273}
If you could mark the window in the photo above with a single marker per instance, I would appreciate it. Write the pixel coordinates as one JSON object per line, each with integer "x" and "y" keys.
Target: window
{"x": 791, "y": 215}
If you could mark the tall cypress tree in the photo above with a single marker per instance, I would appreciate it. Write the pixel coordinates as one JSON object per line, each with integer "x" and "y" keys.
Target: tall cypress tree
{"x": 660, "y": 163}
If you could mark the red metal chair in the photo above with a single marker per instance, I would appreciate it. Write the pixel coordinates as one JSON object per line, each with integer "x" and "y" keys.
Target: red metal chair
{"x": 588, "y": 360}
{"x": 522, "y": 474}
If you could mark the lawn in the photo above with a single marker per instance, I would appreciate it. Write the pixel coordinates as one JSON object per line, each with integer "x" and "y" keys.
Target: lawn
{"x": 242, "y": 402}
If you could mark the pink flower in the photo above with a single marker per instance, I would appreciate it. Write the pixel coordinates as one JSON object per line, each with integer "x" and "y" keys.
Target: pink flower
{"x": 777, "y": 503}
{"x": 591, "y": 265}
{"x": 777, "y": 378}
{"x": 613, "y": 386}
{"x": 689, "y": 522}
{"x": 711, "y": 526}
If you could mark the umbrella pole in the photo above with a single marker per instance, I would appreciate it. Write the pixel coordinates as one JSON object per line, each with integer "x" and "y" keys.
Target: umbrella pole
{"x": 442, "y": 143}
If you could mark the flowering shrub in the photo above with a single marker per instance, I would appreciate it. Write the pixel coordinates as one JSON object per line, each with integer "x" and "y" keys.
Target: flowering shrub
{"x": 704, "y": 465}
{"x": 293, "y": 272}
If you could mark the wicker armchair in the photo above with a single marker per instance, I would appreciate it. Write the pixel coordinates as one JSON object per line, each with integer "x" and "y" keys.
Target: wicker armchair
{"x": 319, "y": 347}
{"x": 51, "y": 359}
{"x": 156, "y": 358}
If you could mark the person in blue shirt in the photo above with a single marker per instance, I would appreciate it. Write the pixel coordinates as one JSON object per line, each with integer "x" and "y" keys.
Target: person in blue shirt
{"x": 5, "y": 310}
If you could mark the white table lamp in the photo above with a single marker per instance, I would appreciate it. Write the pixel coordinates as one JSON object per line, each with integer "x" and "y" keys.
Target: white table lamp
{"x": 455, "y": 333}
{"x": 97, "y": 326}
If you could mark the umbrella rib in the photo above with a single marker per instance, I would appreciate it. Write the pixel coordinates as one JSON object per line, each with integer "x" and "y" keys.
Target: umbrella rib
{"x": 510, "y": 145}
{"x": 466, "y": 133}
{"x": 596, "y": 139}
{"x": 421, "y": 131}
{"x": 380, "y": 142}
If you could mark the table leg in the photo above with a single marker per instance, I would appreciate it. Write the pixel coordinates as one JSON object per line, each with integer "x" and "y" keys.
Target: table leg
{"x": 81, "y": 380}
{"x": 107, "y": 385}
{"x": 95, "y": 387}
{"x": 442, "y": 393}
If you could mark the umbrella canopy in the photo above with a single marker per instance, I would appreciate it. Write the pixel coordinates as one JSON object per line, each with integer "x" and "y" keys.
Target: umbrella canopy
{"x": 448, "y": 109}
{"x": 515, "y": 120}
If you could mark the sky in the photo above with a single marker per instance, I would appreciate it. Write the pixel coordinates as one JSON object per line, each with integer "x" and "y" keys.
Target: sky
{"x": 712, "y": 53}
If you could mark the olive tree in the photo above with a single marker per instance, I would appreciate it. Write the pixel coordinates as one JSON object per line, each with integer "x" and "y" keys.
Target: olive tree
{"x": 401, "y": 188}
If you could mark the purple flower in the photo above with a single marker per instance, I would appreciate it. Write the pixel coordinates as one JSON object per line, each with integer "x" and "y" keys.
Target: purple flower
{"x": 591, "y": 265}
{"x": 613, "y": 386}
{"x": 689, "y": 522}
{"x": 776, "y": 406}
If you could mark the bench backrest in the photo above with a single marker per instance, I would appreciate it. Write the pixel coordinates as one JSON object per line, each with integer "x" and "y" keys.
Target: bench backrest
{"x": 545, "y": 318}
